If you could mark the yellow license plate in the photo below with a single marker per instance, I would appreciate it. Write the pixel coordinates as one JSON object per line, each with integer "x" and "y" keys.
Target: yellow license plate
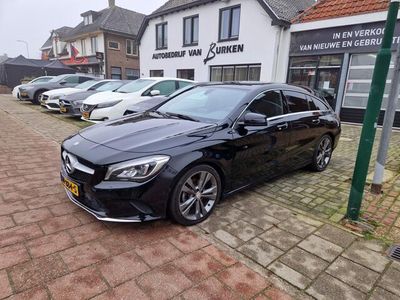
{"x": 63, "y": 109}
{"x": 85, "y": 115}
{"x": 70, "y": 186}
{"x": 24, "y": 94}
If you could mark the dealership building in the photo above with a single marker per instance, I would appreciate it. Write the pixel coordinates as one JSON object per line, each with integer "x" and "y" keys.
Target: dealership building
{"x": 225, "y": 40}
{"x": 333, "y": 49}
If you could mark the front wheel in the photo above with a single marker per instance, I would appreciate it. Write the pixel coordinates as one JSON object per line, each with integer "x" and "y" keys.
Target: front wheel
{"x": 195, "y": 195}
{"x": 322, "y": 154}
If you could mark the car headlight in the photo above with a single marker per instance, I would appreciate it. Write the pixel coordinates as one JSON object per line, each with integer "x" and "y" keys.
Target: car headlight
{"x": 108, "y": 104}
{"x": 138, "y": 169}
{"x": 55, "y": 97}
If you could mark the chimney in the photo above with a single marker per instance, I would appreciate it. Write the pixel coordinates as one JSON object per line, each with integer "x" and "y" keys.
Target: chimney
{"x": 111, "y": 3}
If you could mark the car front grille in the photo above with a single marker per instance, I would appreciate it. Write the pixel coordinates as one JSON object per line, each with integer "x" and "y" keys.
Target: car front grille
{"x": 64, "y": 102}
{"x": 53, "y": 105}
{"x": 87, "y": 107}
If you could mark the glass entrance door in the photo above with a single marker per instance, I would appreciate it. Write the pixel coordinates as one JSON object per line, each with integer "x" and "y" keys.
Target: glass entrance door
{"x": 327, "y": 84}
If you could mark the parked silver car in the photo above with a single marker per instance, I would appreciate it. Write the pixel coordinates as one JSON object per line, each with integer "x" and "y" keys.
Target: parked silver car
{"x": 33, "y": 91}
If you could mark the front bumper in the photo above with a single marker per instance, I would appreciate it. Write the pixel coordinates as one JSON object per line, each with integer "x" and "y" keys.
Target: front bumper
{"x": 116, "y": 202}
{"x": 26, "y": 94}
{"x": 70, "y": 110}
{"x": 97, "y": 115}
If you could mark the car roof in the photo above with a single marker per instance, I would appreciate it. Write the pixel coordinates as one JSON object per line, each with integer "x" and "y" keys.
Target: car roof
{"x": 166, "y": 78}
{"x": 256, "y": 85}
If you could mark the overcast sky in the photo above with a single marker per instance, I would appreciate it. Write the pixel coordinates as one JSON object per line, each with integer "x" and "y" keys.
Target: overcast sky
{"x": 32, "y": 20}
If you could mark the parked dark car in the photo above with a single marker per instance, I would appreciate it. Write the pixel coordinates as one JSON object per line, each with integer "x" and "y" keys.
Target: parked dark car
{"x": 145, "y": 105}
{"x": 33, "y": 91}
{"x": 201, "y": 145}
{"x": 71, "y": 104}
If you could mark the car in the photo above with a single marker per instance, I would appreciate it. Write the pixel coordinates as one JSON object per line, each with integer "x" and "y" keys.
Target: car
{"x": 204, "y": 144}
{"x": 71, "y": 104}
{"x": 33, "y": 91}
{"x": 111, "y": 105}
{"x": 51, "y": 99}
{"x": 15, "y": 91}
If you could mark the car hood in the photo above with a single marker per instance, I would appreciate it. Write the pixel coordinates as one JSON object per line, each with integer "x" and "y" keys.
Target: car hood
{"x": 106, "y": 97}
{"x": 63, "y": 91}
{"x": 79, "y": 96}
{"x": 145, "y": 133}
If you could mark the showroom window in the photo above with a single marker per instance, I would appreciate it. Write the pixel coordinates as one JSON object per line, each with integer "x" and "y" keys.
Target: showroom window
{"x": 191, "y": 31}
{"x": 132, "y": 74}
{"x": 116, "y": 73}
{"x": 229, "y": 23}
{"x": 131, "y": 47}
{"x": 185, "y": 74}
{"x": 156, "y": 73}
{"x": 162, "y": 36}
{"x": 113, "y": 45}
{"x": 235, "y": 73}
{"x": 359, "y": 80}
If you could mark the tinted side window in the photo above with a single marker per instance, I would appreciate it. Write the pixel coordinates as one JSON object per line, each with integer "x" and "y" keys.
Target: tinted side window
{"x": 311, "y": 104}
{"x": 72, "y": 79}
{"x": 297, "y": 102}
{"x": 182, "y": 84}
{"x": 165, "y": 87}
{"x": 320, "y": 104}
{"x": 84, "y": 79}
{"x": 269, "y": 104}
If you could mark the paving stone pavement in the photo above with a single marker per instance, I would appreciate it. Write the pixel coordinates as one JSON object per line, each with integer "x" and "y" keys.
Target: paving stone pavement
{"x": 254, "y": 245}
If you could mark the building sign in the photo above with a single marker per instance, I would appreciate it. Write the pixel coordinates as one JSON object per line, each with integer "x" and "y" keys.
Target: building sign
{"x": 355, "y": 38}
{"x": 213, "y": 51}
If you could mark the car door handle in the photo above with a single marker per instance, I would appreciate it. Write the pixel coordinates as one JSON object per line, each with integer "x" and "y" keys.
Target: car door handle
{"x": 282, "y": 126}
{"x": 316, "y": 121}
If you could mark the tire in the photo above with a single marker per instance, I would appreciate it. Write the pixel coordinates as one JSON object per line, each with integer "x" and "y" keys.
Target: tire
{"x": 190, "y": 203}
{"x": 37, "y": 96}
{"x": 322, "y": 154}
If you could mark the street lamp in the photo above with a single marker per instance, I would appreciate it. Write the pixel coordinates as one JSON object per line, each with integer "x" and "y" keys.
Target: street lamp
{"x": 26, "y": 44}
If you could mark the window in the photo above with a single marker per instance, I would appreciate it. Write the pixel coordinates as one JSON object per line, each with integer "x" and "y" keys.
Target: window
{"x": 162, "y": 36}
{"x": 93, "y": 44}
{"x": 84, "y": 79}
{"x": 235, "y": 73}
{"x": 72, "y": 79}
{"x": 229, "y": 23}
{"x": 182, "y": 84}
{"x": 297, "y": 102}
{"x": 191, "y": 31}
{"x": 359, "y": 81}
{"x": 83, "y": 47}
{"x": 132, "y": 74}
{"x": 113, "y": 45}
{"x": 116, "y": 73}
{"x": 269, "y": 104}
{"x": 166, "y": 87}
{"x": 87, "y": 19}
{"x": 156, "y": 73}
{"x": 317, "y": 104}
{"x": 185, "y": 74}
{"x": 131, "y": 47}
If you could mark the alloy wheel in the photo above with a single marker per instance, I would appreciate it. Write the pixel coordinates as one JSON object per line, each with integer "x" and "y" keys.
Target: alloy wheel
{"x": 198, "y": 195}
{"x": 324, "y": 152}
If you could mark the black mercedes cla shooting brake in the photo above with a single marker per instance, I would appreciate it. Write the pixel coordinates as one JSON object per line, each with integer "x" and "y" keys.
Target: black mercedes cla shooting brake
{"x": 182, "y": 157}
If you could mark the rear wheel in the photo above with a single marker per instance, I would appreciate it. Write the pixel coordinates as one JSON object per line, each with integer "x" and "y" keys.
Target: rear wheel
{"x": 195, "y": 195}
{"x": 322, "y": 154}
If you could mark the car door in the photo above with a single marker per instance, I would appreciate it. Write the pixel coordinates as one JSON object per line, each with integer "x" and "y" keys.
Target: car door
{"x": 260, "y": 152}
{"x": 305, "y": 126}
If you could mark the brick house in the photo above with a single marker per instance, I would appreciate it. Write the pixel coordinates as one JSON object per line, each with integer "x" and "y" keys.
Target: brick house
{"x": 103, "y": 44}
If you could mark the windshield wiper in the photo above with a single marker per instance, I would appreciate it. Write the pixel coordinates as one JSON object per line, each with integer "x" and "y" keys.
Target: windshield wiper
{"x": 181, "y": 116}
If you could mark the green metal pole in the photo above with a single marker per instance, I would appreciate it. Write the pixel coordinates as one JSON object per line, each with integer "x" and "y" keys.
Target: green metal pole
{"x": 371, "y": 114}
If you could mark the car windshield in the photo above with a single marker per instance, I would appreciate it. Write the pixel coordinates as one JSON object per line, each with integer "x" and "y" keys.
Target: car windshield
{"x": 109, "y": 86}
{"x": 86, "y": 84}
{"x": 135, "y": 86}
{"x": 205, "y": 103}
{"x": 57, "y": 78}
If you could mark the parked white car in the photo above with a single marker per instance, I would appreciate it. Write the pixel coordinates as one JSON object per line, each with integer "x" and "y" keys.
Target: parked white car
{"x": 50, "y": 99}
{"x": 111, "y": 105}
{"x": 15, "y": 91}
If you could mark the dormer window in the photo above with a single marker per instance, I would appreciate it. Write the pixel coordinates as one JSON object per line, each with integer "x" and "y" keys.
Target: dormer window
{"x": 88, "y": 19}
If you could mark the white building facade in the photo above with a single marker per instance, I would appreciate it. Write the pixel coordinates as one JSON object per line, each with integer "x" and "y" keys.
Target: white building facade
{"x": 244, "y": 40}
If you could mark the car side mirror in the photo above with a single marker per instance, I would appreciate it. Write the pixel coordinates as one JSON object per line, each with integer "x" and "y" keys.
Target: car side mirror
{"x": 63, "y": 82}
{"x": 155, "y": 93}
{"x": 253, "y": 119}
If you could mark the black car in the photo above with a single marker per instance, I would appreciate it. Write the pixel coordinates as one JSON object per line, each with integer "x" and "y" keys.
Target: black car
{"x": 145, "y": 105}
{"x": 71, "y": 104}
{"x": 201, "y": 145}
